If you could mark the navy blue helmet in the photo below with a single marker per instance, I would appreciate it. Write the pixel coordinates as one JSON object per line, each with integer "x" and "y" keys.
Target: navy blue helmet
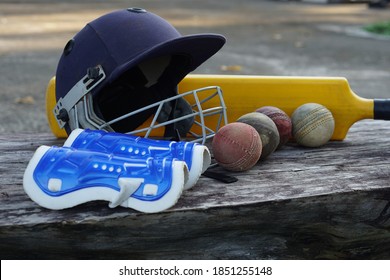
{"x": 115, "y": 72}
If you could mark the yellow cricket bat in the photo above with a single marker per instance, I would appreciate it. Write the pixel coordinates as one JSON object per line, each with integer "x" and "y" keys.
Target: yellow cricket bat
{"x": 244, "y": 94}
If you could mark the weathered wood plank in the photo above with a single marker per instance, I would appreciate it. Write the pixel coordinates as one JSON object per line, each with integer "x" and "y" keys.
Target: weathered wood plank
{"x": 331, "y": 202}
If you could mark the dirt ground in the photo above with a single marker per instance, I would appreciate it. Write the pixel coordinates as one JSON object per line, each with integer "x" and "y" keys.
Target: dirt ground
{"x": 264, "y": 38}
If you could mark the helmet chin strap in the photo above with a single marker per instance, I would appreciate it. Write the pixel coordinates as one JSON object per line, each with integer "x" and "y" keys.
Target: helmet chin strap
{"x": 152, "y": 71}
{"x": 170, "y": 129}
{"x": 172, "y": 110}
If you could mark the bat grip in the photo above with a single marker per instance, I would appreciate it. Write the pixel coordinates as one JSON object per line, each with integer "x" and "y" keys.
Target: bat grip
{"x": 382, "y": 109}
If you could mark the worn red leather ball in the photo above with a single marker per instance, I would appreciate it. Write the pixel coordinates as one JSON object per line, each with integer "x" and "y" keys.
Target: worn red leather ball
{"x": 237, "y": 146}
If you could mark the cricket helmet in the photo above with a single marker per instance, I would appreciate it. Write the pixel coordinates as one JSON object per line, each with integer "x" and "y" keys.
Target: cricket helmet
{"x": 122, "y": 70}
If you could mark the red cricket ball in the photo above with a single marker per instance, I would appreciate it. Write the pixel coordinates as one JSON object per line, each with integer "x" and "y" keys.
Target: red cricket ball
{"x": 237, "y": 146}
{"x": 282, "y": 121}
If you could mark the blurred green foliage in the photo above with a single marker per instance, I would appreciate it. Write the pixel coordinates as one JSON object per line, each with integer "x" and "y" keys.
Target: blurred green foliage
{"x": 382, "y": 28}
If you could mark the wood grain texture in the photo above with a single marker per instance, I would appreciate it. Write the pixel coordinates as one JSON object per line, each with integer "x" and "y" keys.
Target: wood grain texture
{"x": 331, "y": 202}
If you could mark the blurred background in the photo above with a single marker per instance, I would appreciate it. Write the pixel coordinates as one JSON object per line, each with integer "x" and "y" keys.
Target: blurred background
{"x": 264, "y": 37}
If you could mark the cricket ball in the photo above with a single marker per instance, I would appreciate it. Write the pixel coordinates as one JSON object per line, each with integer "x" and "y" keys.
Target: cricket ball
{"x": 267, "y": 130}
{"x": 313, "y": 125}
{"x": 236, "y": 146}
{"x": 282, "y": 121}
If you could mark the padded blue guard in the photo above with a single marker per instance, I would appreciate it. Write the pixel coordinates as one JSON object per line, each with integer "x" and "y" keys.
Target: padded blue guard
{"x": 62, "y": 177}
{"x": 130, "y": 146}
{"x": 196, "y": 156}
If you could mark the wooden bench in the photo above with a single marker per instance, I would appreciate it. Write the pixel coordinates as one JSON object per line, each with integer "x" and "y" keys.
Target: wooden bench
{"x": 326, "y": 203}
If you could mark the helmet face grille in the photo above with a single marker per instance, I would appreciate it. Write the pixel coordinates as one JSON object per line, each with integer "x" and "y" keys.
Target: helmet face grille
{"x": 195, "y": 115}
{"x": 202, "y": 116}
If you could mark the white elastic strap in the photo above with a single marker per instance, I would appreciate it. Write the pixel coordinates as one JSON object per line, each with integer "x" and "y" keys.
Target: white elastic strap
{"x": 128, "y": 187}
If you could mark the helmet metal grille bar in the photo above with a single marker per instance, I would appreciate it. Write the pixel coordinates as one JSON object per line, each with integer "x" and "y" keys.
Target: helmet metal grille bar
{"x": 199, "y": 99}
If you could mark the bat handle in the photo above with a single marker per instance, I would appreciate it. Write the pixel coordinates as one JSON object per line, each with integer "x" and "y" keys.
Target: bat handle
{"x": 382, "y": 109}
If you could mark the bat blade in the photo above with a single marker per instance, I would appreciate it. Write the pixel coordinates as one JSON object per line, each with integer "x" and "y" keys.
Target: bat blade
{"x": 244, "y": 94}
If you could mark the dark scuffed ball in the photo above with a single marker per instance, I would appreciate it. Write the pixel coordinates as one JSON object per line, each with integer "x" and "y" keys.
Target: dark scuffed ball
{"x": 267, "y": 130}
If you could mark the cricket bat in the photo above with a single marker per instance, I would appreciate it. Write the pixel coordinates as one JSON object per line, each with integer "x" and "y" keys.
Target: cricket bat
{"x": 244, "y": 94}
